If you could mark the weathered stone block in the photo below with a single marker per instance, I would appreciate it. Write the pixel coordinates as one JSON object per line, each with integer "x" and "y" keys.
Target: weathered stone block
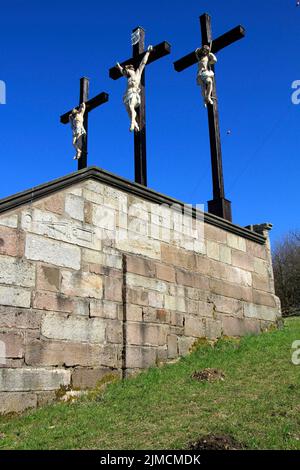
{"x": 165, "y": 273}
{"x": 213, "y": 250}
{"x": 141, "y": 266}
{"x": 194, "y": 326}
{"x": 225, "y": 254}
{"x": 16, "y": 272}
{"x": 146, "y": 334}
{"x": 114, "y": 331}
{"x": 227, "y": 305}
{"x": 261, "y": 312}
{"x": 17, "y": 402}
{"x": 74, "y": 207}
{"x": 81, "y": 284}
{"x": 74, "y": 328}
{"x": 134, "y": 313}
{"x": 54, "y": 302}
{"x": 185, "y": 345}
{"x": 59, "y": 353}
{"x": 23, "y": 380}
{"x": 213, "y": 329}
{"x": 264, "y": 298}
{"x": 11, "y": 242}
{"x": 257, "y": 250}
{"x": 261, "y": 283}
{"x": 48, "y": 278}
{"x": 239, "y": 326}
{"x": 178, "y": 257}
{"x": 9, "y": 220}
{"x": 89, "y": 378}
{"x": 242, "y": 260}
{"x": 104, "y": 309}
{"x": 53, "y": 252}
{"x": 137, "y": 296}
{"x": 138, "y": 357}
{"x": 172, "y": 346}
{"x": 113, "y": 289}
{"x": 15, "y": 296}
{"x": 14, "y": 344}
{"x": 214, "y": 233}
{"x": 236, "y": 242}
{"x": 156, "y": 299}
{"x": 54, "y": 203}
{"x": 261, "y": 267}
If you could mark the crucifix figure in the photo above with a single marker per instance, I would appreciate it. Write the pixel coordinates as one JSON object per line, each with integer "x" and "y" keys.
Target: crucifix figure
{"x": 134, "y": 98}
{"x": 78, "y": 118}
{"x": 205, "y": 76}
{"x": 205, "y": 57}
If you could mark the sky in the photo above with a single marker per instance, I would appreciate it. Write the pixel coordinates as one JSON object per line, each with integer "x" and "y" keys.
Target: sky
{"x": 47, "y": 46}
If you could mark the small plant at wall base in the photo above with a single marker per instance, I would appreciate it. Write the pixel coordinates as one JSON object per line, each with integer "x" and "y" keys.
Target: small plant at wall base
{"x": 286, "y": 265}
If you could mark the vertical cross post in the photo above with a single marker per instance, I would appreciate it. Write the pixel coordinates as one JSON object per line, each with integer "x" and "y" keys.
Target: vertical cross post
{"x": 83, "y": 98}
{"x": 218, "y": 205}
{"x": 140, "y": 148}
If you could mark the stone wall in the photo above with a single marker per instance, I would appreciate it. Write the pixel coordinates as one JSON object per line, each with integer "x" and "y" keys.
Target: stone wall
{"x": 96, "y": 280}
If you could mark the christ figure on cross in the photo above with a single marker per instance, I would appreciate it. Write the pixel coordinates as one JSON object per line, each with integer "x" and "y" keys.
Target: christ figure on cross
{"x": 205, "y": 75}
{"x": 132, "y": 97}
{"x": 76, "y": 119}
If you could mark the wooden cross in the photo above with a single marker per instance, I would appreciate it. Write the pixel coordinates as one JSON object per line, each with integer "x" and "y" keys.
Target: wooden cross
{"x": 90, "y": 105}
{"x": 219, "y": 205}
{"x": 159, "y": 51}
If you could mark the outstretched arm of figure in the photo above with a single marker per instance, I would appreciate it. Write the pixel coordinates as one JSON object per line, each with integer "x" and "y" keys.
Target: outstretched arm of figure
{"x": 212, "y": 59}
{"x": 145, "y": 60}
{"x": 82, "y": 108}
{"x": 120, "y": 68}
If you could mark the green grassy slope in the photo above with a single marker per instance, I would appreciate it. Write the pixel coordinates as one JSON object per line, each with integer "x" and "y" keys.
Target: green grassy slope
{"x": 258, "y": 403}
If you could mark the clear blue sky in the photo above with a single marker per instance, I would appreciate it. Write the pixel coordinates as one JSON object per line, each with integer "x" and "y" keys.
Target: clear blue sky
{"x": 47, "y": 46}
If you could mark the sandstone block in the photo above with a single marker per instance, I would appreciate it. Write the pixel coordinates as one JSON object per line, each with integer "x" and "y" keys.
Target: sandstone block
{"x": 156, "y": 299}
{"x": 141, "y": 266}
{"x": 15, "y": 296}
{"x": 113, "y": 289}
{"x": 53, "y": 252}
{"x": 23, "y": 380}
{"x": 236, "y": 242}
{"x": 17, "y": 402}
{"x": 145, "y": 334}
{"x": 81, "y": 329}
{"x": 226, "y": 305}
{"x": 104, "y": 217}
{"x": 11, "y": 243}
{"x": 114, "y": 331}
{"x": 261, "y": 267}
{"x": 172, "y": 346}
{"x": 88, "y": 378}
{"x": 140, "y": 245}
{"x": 59, "y": 353}
{"x": 9, "y": 220}
{"x": 48, "y": 278}
{"x": 54, "y": 203}
{"x": 213, "y": 329}
{"x": 242, "y": 260}
{"x": 138, "y": 357}
{"x": 178, "y": 257}
{"x": 14, "y": 347}
{"x": 12, "y": 317}
{"x": 263, "y": 298}
{"x": 165, "y": 273}
{"x": 185, "y": 345}
{"x": 54, "y": 302}
{"x": 81, "y": 284}
{"x": 16, "y": 272}
{"x": 261, "y": 283}
{"x": 261, "y": 312}
{"x": 257, "y": 250}
{"x": 194, "y": 326}
{"x": 225, "y": 254}
{"x": 213, "y": 250}
{"x": 74, "y": 207}
{"x": 134, "y": 313}
{"x": 137, "y": 296}
{"x": 239, "y": 327}
{"x": 104, "y": 309}
{"x": 214, "y": 233}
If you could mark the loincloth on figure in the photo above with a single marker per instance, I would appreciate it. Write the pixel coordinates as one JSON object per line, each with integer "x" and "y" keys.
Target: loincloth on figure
{"x": 203, "y": 76}
{"x": 130, "y": 94}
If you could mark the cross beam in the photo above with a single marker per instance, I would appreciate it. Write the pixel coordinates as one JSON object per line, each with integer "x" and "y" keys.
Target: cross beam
{"x": 140, "y": 149}
{"x": 90, "y": 105}
{"x": 219, "y": 206}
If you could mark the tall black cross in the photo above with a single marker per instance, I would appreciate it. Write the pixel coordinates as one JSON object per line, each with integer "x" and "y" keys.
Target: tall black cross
{"x": 219, "y": 205}
{"x": 90, "y": 105}
{"x": 159, "y": 51}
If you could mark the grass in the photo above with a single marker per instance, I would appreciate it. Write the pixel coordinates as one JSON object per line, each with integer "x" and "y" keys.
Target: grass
{"x": 258, "y": 403}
